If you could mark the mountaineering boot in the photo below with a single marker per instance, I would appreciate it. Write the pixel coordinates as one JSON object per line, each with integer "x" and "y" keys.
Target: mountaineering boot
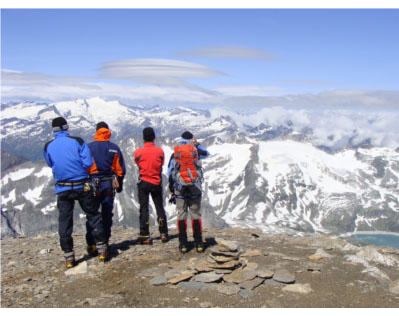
{"x": 164, "y": 238}
{"x": 102, "y": 249}
{"x": 145, "y": 240}
{"x": 182, "y": 228}
{"x": 69, "y": 259}
{"x": 163, "y": 230}
{"x": 197, "y": 234}
{"x": 92, "y": 250}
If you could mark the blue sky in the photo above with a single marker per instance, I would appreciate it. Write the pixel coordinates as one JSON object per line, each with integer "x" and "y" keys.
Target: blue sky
{"x": 202, "y": 56}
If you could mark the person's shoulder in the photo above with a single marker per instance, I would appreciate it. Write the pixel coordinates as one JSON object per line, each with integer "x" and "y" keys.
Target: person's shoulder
{"x": 78, "y": 139}
{"x": 114, "y": 146}
{"x": 158, "y": 148}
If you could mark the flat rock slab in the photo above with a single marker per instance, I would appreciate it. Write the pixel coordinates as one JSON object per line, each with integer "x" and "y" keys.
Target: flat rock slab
{"x": 298, "y": 288}
{"x": 316, "y": 256}
{"x": 197, "y": 285}
{"x": 223, "y": 271}
{"x": 251, "y": 266}
{"x": 225, "y": 253}
{"x": 181, "y": 277}
{"x": 207, "y": 277}
{"x": 159, "y": 280}
{"x": 226, "y": 265}
{"x": 175, "y": 272}
{"x": 222, "y": 259}
{"x": 203, "y": 266}
{"x": 227, "y": 244}
{"x": 264, "y": 273}
{"x": 239, "y": 276}
{"x": 245, "y": 293}
{"x": 284, "y": 276}
{"x": 251, "y": 284}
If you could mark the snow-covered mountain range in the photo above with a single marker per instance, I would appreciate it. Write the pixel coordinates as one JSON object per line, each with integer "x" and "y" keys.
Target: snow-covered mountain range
{"x": 257, "y": 176}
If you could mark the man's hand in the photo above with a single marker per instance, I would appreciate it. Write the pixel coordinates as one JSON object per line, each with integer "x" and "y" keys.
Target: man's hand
{"x": 115, "y": 183}
{"x": 194, "y": 141}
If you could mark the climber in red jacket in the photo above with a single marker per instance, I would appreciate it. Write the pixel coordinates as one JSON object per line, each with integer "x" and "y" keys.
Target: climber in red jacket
{"x": 150, "y": 160}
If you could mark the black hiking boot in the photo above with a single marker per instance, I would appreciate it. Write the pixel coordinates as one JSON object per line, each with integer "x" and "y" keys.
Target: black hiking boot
{"x": 182, "y": 228}
{"x": 69, "y": 259}
{"x": 197, "y": 234}
{"x": 145, "y": 240}
{"x": 164, "y": 238}
{"x": 92, "y": 250}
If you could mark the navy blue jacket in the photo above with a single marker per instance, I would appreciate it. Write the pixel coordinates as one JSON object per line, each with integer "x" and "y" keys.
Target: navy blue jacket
{"x": 108, "y": 158}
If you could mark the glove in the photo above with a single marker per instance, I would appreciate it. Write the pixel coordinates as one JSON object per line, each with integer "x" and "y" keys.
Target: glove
{"x": 120, "y": 181}
{"x": 172, "y": 199}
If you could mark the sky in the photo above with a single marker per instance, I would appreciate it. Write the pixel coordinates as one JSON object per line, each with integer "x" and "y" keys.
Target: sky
{"x": 210, "y": 57}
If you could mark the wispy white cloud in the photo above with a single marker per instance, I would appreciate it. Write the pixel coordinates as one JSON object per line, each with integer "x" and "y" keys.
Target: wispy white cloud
{"x": 309, "y": 81}
{"x": 166, "y": 84}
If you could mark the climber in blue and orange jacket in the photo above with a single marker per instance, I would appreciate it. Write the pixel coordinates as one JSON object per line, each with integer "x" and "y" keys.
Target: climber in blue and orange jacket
{"x": 106, "y": 173}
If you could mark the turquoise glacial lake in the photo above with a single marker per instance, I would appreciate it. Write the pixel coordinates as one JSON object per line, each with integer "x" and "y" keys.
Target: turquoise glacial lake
{"x": 385, "y": 240}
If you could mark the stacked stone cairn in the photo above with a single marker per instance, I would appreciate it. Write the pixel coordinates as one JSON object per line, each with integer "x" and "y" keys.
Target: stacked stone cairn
{"x": 226, "y": 269}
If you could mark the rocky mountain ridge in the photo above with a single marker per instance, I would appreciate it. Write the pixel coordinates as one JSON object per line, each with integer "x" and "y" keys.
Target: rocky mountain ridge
{"x": 269, "y": 270}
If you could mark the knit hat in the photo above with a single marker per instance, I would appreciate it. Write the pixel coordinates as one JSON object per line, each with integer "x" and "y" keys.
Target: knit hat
{"x": 187, "y": 135}
{"x": 148, "y": 134}
{"x": 101, "y": 125}
{"x": 59, "y": 124}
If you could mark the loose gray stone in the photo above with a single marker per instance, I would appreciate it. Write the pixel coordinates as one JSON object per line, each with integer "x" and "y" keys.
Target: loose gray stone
{"x": 175, "y": 272}
{"x": 227, "y": 244}
{"x": 205, "y": 305}
{"x": 239, "y": 276}
{"x": 159, "y": 280}
{"x": 251, "y": 284}
{"x": 251, "y": 253}
{"x": 27, "y": 279}
{"x": 44, "y": 251}
{"x": 197, "y": 285}
{"x": 208, "y": 277}
{"x": 265, "y": 273}
{"x": 284, "y": 276}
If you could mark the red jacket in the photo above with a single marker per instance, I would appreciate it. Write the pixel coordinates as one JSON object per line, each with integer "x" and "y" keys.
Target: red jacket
{"x": 150, "y": 160}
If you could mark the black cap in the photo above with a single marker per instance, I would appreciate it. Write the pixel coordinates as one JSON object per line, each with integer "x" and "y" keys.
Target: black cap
{"x": 59, "y": 124}
{"x": 187, "y": 135}
{"x": 148, "y": 134}
{"x": 101, "y": 125}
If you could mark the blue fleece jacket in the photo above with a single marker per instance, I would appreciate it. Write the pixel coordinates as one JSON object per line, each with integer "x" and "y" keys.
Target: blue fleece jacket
{"x": 69, "y": 157}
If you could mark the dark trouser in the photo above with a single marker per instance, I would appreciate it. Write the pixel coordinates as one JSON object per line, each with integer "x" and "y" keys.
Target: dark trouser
{"x": 145, "y": 189}
{"x": 65, "y": 204}
{"x": 105, "y": 199}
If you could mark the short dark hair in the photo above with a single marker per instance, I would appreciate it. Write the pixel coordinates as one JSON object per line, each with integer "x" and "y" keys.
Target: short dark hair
{"x": 148, "y": 134}
{"x": 101, "y": 125}
{"x": 187, "y": 135}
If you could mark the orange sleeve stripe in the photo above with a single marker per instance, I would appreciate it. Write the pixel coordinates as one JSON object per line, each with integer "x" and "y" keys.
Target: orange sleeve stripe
{"x": 116, "y": 166}
{"x": 93, "y": 169}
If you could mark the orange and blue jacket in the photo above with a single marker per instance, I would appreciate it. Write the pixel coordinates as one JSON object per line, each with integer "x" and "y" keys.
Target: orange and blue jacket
{"x": 108, "y": 158}
{"x": 150, "y": 160}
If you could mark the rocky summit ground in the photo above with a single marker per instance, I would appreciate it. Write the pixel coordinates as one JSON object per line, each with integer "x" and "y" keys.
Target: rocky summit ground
{"x": 240, "y": 268}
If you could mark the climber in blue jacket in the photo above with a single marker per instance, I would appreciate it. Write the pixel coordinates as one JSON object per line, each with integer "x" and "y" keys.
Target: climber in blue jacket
{"x": 69, "y": 157}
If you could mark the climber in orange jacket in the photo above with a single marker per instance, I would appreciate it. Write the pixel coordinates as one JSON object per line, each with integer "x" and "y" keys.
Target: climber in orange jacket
{"x": 107, "y": 175}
